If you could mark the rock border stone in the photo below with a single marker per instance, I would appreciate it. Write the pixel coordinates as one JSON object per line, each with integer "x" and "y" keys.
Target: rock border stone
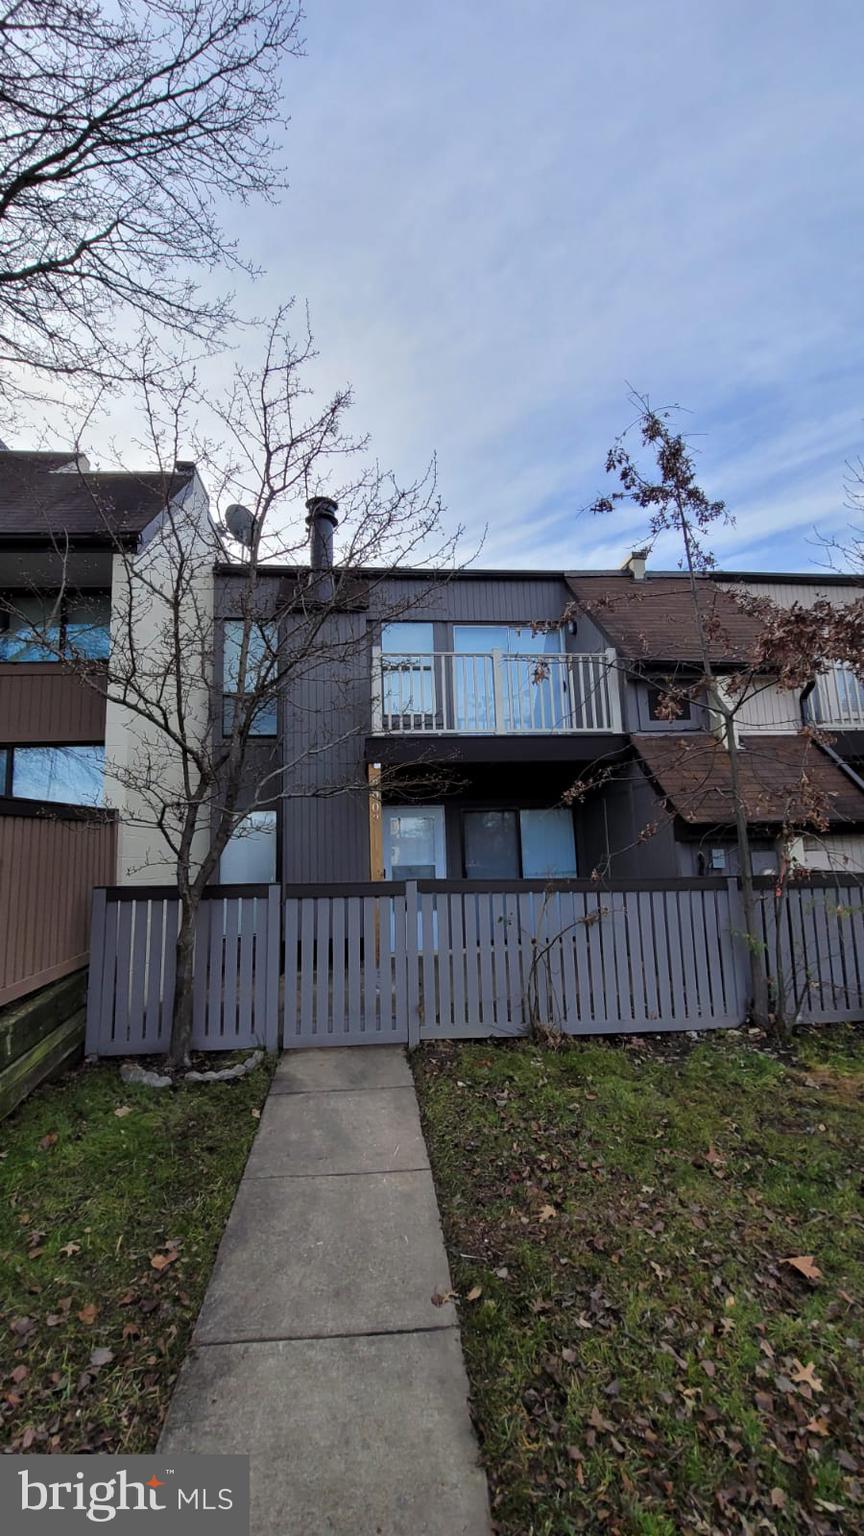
{"x": 143, "y": 1077}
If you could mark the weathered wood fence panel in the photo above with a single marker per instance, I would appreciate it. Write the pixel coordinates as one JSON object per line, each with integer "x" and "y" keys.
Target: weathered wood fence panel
{"x": 237, "y": 962}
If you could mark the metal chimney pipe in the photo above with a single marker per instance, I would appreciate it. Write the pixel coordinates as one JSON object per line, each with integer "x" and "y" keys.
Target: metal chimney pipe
{"x": 321, "y": 520}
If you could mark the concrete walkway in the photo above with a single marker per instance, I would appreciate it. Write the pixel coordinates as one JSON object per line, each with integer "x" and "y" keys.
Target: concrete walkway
{"x": 318, "y": 1349}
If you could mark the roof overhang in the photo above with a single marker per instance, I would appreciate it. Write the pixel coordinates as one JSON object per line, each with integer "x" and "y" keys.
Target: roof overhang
{"x": 576, "y": 749}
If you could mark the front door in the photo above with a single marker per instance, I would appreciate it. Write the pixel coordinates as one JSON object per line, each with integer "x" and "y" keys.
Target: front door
{"x": 414, "y": 845}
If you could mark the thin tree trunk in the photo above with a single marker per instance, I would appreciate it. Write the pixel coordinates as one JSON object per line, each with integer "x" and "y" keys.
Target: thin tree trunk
{"x": 181, "y": 1019}
{"x": 758, "y": 981}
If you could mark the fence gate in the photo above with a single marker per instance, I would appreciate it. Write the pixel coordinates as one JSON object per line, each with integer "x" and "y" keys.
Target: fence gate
{"x": 346, "y": 965}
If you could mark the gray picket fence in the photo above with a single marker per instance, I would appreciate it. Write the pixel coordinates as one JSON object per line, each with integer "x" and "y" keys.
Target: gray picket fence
{"x": 132, "y": 968}
{"x": 395, "y": 962}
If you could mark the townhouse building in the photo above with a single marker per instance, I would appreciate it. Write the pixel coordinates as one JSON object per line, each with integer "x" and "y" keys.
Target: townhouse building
{"x": 72, "y": 541}
{"x": 468, "y": 725}
{"x": 514, "y": 725}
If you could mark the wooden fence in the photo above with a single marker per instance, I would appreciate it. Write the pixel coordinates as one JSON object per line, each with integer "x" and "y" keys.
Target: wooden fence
{"x": 395, "y": 962}
{"x": 132, "y": 969}
{"x": 49, "y": 864}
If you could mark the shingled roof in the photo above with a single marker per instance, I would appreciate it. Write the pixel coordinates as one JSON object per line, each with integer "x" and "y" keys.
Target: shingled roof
{"x": 653, "y": 620}
{"x": 692, "y": 773}
{"x": 45, "y": 495}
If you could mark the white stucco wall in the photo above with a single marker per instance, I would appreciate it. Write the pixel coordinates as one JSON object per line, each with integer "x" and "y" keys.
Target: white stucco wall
{"x": 143, "y": 766}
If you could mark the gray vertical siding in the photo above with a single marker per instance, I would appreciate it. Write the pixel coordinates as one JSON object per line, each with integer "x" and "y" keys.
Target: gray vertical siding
{"x": 611, "y": 823}
{"x": 476, "y": 600}
{"x": 326, "y": 714}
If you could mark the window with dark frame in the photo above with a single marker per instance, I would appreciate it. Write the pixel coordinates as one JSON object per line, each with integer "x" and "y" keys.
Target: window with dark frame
{"x": 659, "y": 697}
{"x": 49, "y": 627}
{"x": 57, "y": 774}
{"x": 514, "y": 844}
{"x": 261, "y": 659}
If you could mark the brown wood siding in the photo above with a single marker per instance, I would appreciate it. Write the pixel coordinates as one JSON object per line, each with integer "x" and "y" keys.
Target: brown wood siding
{"x": 48, "y": 868}
{"x": 40, "y": 703}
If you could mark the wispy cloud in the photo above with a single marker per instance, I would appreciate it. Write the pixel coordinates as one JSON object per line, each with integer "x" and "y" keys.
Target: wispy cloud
{"x": 501, "y": 214}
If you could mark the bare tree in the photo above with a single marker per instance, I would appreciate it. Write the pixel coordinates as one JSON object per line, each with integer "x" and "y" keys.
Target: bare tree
{"x": 125, "y": 129}
{"x": 788, "y": 650}
{"x": 177, "y": 754}
{"x": 676, "y": 504}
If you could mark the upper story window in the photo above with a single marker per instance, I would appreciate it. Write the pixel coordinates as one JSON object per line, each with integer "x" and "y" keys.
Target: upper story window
{"x": 71, "y": 775}
{"x": 668, "y": 704}
{"x": 511, "y": 639}
{"x": 259, "y": 675}
{"x": 502, "y": 682}
{"x": 50, "y": 627}
{"x": 408, "y": 670}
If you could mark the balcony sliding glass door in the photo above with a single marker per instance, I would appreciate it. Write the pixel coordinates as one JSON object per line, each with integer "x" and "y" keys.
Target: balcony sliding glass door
{"x": 408, "y": 676}
{"x": 508, "y": 679}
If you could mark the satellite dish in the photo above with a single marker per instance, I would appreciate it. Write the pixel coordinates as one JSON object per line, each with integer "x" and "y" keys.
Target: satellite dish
{"x": 240, "y": 523}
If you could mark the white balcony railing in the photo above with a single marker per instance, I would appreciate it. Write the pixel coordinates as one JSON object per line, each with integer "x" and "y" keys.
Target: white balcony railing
{"x": 838, "y": 700}
{"x": 484, "y": 693}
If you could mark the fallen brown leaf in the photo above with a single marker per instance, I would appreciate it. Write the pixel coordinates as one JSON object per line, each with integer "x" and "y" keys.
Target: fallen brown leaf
{"x": 161, "y": 1261}
{"x": 122, "y": 1110}
{"x": 597, "y": 1421}
{"x": 817, "y": 1426}
{"x": 48, "y": 1141}
{"x": 475, "y": 1293}
{"x": 88, "y": 1313}
{"x": 440, "y": 1298}
{"x": 806, "y": 1375}
{"x": 547, "y": 1212}
{"x": 804, "y": 1264}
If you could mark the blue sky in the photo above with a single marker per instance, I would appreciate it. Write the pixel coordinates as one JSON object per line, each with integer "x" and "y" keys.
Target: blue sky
{"x": 502, "y": 214}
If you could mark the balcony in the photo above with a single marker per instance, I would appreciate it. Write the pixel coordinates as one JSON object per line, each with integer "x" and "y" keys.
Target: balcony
{"x": 494, "y": 693}
{"x": 837, "y": 700}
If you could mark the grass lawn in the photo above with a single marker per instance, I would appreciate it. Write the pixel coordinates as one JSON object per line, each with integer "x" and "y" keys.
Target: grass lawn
{"x": 112, "y": 1203}
{"x": 642, "y": 1358}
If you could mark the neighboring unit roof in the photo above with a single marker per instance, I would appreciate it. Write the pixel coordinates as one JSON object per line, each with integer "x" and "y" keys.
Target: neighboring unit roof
{"x": 654, "y": 619}
{"x": 791, "y": 578}
{"x": 780, "y": 775}
{"x": 41, "y": 498}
